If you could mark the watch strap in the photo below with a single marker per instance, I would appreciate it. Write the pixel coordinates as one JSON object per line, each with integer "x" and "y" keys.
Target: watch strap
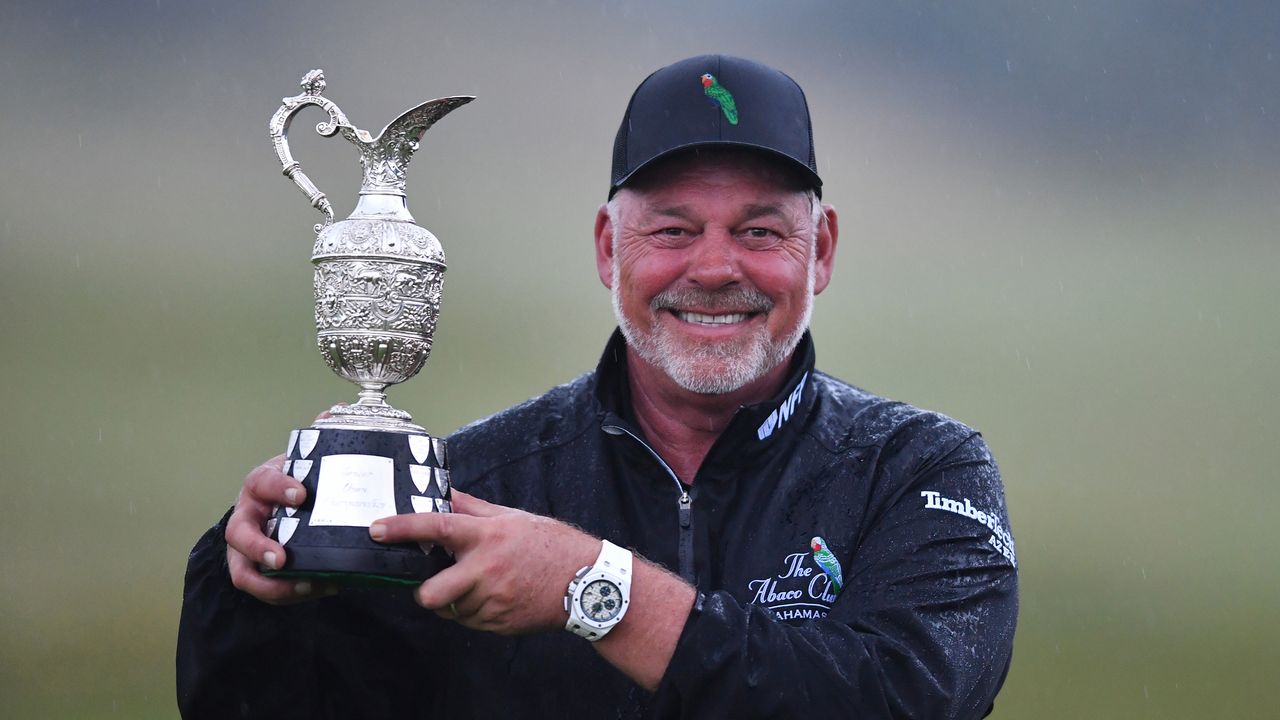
{"x": 614, "y": 559}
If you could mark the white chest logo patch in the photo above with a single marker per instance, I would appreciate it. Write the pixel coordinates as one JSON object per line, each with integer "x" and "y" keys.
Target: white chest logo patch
{"x": 783, "y": 412}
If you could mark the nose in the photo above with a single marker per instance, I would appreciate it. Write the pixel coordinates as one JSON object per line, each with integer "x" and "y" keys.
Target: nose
{"x": 713, "y": 261}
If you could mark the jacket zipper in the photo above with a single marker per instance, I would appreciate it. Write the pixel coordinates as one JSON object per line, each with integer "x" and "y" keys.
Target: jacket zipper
{"x": 684, "y": 507}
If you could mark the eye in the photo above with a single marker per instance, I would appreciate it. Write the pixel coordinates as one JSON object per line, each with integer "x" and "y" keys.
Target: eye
{"x": 758, "y": 238}
{"x": 673, "y": 236}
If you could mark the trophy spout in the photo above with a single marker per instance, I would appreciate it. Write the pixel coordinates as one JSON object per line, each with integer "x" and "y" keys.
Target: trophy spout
{"x": 386, "y": 157}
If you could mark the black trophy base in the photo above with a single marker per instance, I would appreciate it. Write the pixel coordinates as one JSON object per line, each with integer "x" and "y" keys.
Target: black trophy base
{"x": 354, "y": 477}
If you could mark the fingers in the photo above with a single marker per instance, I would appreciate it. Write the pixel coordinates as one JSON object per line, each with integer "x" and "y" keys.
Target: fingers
{"x": 274, "y": 591}
{"x": 449, "y": 586}
{"x": 247, "y": 578}
{"x": 455, "y": 531}
{"x": 248, "y": 545}
{"x": 264, "y": 488}
{"x": 472, "y": 505}
{"x": 268, "y": 485}
{"x": 245, "y": 536}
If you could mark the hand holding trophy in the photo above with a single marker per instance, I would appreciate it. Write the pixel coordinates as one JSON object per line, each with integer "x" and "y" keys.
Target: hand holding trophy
{"x": 378, "y": 281}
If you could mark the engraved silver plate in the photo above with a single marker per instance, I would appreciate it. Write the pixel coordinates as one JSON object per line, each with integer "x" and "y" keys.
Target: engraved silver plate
{"x": 421, "y": 477}
{"x": 286, "y": 527}
{"x": 420, "y": 446}
{"x": 301, "y": 469}
{"x": 307, "y": 441}
{"x": 354, "y": 490}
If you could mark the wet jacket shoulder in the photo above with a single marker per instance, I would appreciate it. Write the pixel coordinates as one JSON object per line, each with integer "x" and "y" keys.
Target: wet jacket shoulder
{"x": 542, "y": 425}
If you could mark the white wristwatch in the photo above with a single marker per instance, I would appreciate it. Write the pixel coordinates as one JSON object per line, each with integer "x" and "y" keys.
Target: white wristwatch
{"x": 599, "y": 594}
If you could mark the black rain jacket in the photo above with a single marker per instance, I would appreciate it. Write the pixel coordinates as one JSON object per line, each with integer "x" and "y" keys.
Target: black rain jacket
{"x": 919, "y": 625}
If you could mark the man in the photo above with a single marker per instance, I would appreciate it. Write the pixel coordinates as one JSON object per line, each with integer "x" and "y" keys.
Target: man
{"x": 798, "y": 547}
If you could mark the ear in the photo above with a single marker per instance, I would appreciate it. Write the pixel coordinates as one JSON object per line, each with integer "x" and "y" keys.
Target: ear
{"x": 604, "y": 246}
{"x": 828, "y": 234}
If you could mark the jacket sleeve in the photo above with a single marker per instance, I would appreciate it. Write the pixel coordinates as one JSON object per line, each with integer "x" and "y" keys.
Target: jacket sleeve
{"x": 357, "y": 654}
{"x": 239, "y": 657}
{"x": 923, "y": 628}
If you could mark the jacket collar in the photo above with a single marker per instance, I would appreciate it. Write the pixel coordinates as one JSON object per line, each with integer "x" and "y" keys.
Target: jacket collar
{"x": 755, "y": 430}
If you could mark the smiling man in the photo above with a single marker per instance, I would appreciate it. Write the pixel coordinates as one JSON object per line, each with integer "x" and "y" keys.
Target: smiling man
{"x": 704, "y": 526}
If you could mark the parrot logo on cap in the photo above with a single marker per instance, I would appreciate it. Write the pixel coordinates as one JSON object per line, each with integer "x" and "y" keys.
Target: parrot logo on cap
{"x": 720, "y": 97}
{"x": 828, "y": 562}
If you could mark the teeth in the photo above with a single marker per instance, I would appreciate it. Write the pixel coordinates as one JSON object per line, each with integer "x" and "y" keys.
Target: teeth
{"x": 712, "y": 319}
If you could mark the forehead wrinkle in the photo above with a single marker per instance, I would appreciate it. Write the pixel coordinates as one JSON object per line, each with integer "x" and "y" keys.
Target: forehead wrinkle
{"x": 681, "y": 212}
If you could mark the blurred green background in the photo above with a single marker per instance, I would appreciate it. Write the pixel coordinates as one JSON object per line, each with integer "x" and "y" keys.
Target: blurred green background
{"x": 1059, "y": 225}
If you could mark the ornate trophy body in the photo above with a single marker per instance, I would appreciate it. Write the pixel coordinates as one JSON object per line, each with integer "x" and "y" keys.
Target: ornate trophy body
{"x": 378, "y": 280}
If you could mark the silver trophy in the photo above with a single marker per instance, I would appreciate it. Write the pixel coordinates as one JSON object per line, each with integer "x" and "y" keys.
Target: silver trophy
{"x": 378, "y": 281}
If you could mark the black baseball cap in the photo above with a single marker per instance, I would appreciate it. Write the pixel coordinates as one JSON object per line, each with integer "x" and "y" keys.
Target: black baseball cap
{"x": 715, "y": 100}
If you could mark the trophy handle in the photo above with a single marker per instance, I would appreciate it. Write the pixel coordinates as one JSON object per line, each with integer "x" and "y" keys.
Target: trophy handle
{"x": 313, "y": 85}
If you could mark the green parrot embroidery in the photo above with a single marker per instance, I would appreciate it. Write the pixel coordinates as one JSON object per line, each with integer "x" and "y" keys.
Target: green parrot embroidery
{"x": 828, "y": 562}
{"x": 720, "y": 97}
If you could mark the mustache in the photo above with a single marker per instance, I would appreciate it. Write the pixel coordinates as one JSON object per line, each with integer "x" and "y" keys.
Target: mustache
{"x": 738, "y": 299}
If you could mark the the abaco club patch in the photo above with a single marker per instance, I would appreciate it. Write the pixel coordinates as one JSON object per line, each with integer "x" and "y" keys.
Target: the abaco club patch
{"x": 805, "y": 587}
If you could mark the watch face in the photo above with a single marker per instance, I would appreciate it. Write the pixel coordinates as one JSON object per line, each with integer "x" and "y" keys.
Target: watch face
{"x": 601, "y": 601}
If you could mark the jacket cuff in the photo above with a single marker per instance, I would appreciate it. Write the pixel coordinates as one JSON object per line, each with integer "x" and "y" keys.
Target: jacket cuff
{"x": 687, "y": 662}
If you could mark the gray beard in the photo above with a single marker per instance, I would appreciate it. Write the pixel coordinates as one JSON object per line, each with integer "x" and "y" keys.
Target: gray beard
{"x": 713, "y": 368}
